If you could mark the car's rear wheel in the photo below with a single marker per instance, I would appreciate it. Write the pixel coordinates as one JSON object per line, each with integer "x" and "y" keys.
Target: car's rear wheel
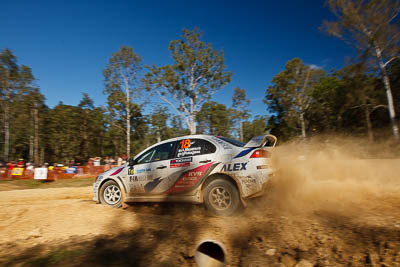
{"x": 221, "y": 197}
{"x": 111, "y": 194}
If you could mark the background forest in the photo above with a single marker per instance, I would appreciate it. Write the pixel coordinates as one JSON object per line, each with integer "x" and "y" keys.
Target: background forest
{"x": 361, "y": 99}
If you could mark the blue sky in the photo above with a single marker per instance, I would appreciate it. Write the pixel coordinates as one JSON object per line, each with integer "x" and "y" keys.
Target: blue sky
{"x": 68, "y": 43}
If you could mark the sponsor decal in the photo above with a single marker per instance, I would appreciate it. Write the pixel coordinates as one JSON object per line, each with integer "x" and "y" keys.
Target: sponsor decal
{"x": 189, "y": 179}
{"x": 221, "y": 142}
{"x": 181, "y": 162}
{"x": 234, "y": 167}
{"x": 243, "y": 153}
{"x": 71, "y": 170}
{"x": 40, "y": 174}
{"x": 191, "y": 151}
{"x": 250, "y": 185}
{"x": 17, "y": 171}
{"x": 130, "y": 171}
{"x": 185, "y": 143}
{"x": 143, "y": 170}
{"x": 140, "y": 178}
{"x": 117, "y": 171}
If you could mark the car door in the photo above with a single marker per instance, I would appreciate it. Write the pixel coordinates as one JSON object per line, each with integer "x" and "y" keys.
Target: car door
{"x": 151, "y": 168}
{"x": 192, "y": 161}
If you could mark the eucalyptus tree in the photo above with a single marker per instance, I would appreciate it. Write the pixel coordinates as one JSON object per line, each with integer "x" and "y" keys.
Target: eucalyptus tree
{"x": 372, "y": 27}
{"x": 240, "y": 108}
{"x": 35, "y": 104}
{"x": 9, "y": 88}
{"x": 291, "y": 93}
{"x": 256, "y": 127}
{"x": 213, "y": 119}
{"x": 362, "y": 93}
{"x": 197, "y": 73}
{"x": 121, "y": 86}
{"x": 158, "y": 120}
{"x": 86, "y": 107}
{"x": 63, "y": 132}
{"x": 15, "y": 82}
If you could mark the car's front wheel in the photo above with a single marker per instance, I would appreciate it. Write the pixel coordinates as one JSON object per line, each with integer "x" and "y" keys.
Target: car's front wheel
{"x": 111, "y": 194}
{"x": 222, "y": 197}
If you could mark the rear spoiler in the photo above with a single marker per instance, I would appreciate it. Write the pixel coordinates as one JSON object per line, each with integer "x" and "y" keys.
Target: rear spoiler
{"x": 268, "y": 140}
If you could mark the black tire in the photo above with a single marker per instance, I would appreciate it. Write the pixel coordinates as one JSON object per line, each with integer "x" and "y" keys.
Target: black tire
{"x": 221, "y": 197}
{"x": 111, "y": 194}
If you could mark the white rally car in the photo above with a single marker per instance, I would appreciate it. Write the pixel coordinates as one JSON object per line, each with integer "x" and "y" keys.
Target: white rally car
{"x": 217, "y": 171}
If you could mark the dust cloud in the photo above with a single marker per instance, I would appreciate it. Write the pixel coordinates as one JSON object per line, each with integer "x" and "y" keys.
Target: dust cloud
{"x": 333, "y": 202}
{"x": 335, "y": 173}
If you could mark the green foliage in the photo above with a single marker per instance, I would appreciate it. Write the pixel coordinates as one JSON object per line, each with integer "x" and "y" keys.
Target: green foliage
{"x": 290, "y": 94}
{"x": 121, "y": 71}
{"x": 198, "y": 72}
{"x": 366, "y": 25}
{"x": 18, "y": 98}
{"x": 372, "y": 27}
{"x": 254, "y": 128}
{"x": 121, "y": 85}
{"x": 239, "y": 111}
{"x": 350, "y": 100}
{"x": 213, "y": 119}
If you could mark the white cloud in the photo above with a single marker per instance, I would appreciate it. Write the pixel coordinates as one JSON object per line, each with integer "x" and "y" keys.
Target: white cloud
{"x": 313, "y": 66}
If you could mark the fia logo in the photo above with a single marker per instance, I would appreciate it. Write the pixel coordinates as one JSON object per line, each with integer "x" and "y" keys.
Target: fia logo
{"x": 130, "y": 171}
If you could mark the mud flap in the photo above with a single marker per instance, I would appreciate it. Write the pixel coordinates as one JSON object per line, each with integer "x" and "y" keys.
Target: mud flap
{"x": 243, "y": 202}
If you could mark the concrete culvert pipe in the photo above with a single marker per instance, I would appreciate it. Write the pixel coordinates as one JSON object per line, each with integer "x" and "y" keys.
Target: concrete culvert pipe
{"x": 210, "y": 254}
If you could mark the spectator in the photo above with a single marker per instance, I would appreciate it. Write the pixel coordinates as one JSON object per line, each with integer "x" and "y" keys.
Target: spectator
{"x": 112, "y": 161}
{"x": 10, "y": 167}
{"x": 96, "y": 161}
{"x": 124, "y": 158}
{"x": 3, "y": 170}
{"x": 20, "y": 163}
{"x": 90, "y": 165}
{"x": 106, "y": 161}
{"x": 119, "y": 161}
{"x": 29, "y": 169}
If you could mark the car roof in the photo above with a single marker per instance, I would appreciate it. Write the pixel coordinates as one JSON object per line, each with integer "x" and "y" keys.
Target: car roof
{"x": 205, "y": 136}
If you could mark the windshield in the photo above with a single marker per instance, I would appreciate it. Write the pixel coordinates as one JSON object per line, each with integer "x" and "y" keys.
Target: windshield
{"x": 232, "y": 141}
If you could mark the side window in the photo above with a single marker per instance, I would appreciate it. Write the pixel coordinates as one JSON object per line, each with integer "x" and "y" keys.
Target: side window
{"x": 194, "y": 147}
{"x": 161, "y": 152}
{"x": 208, "y": 147}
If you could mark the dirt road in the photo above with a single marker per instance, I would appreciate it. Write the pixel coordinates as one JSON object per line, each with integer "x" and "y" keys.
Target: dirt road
{"x": 301, "y": 221}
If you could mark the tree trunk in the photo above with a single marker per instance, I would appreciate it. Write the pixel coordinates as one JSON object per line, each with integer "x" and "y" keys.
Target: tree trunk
{"x": 389, "y": 96}
{"x": 31, "y": 148}
{"x": 241, "y": 131}
{"x": 41, "y": 160}
{"x": 303, "y": 126}
{"x": 158, "y": 136}
{"x": 36, "y": 136}
{"x": 192, "y": 117}
{"x": 369, "y": 124}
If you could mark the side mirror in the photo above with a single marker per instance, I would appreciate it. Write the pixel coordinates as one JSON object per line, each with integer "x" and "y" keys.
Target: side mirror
{"x": 131, "y": 162}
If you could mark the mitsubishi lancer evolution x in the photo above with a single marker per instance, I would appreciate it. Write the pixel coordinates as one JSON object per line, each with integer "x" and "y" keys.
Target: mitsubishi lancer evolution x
{"x": 214, "y": 170}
